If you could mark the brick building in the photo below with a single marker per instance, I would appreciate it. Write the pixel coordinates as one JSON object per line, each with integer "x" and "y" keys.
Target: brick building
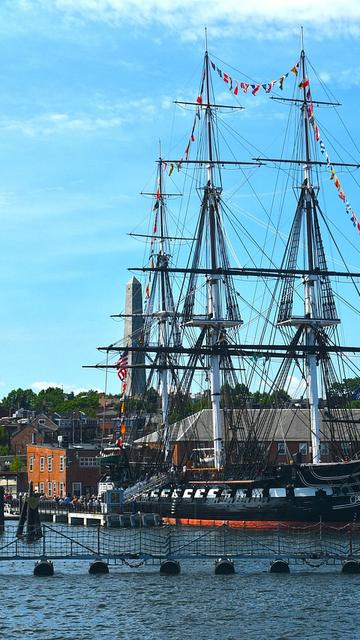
{"x": 58, "y": 471}
{"x": 39, "y": 430}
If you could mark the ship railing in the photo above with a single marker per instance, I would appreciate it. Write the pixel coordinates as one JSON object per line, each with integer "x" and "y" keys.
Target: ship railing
{"x": 155, "y": 482}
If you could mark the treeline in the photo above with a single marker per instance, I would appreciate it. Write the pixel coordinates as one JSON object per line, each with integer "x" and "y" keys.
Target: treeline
{"x": 51, "y": 400}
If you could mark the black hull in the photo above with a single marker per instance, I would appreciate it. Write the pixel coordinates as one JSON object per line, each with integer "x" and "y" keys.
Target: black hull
{"x": 275, "y": 510}
{"x": 329, "y": 493}
{"x": 267, "y": 510}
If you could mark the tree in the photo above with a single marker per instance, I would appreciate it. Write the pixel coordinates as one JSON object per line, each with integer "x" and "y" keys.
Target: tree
{"x": 20, "y": 399}
{"x": 87, "y": 401}
{"x": 48, "y": 400}
{"x": 16, "y": 465}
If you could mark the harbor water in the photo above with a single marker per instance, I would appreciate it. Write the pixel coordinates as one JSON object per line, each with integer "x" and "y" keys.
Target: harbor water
{"x": 136, "y": 602}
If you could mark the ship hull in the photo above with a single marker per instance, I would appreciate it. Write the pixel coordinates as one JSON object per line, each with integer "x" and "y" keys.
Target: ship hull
{"x": 302, "y": 495}
{"x": 256, "y": 512}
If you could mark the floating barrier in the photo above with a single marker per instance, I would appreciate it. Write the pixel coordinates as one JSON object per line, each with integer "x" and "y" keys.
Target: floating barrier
{"x": 170, "y": 568}
{"x": 224, "y": 567}
{"x": 351, "y": 566}
{"x": 315, "y": 547}
{"x": 98, "y": 567}
{"x": 279, "y": 566}
{"x": 44, "y": 568}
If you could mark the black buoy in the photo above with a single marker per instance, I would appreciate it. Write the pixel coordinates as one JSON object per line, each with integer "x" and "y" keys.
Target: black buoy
{"x": 98, "y": 567}
{"x": 224, "y": 567}
{"x": 44, "y": 568}
{"x": 279, "y": 566}
{"x": 170, "y": 568}
{"x": 351, "y": 566}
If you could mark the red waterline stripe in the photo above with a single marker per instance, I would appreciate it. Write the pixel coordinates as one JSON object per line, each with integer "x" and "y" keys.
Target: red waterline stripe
{"x": 256, "y": 524}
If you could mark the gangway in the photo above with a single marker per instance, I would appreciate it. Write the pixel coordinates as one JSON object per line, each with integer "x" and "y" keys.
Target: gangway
{"x": 155, "y": 482}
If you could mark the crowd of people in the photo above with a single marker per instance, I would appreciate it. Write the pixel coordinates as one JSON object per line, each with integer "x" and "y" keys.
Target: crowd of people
{"x": 76, "y": 503}
{"x": 89, "y": 503}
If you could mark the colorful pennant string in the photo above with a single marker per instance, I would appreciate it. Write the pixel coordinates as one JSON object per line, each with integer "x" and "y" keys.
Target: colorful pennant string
{"x": 333, "y": 177}
{"x": 234, "y": 85}
{"x": 199, "y": 101}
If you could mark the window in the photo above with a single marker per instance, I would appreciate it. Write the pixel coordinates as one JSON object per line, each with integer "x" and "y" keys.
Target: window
{"x": 62, "y": 463}
{"x": 87, "y": 462}
{"x": 61, "y": 489}
{"x": 281, "y": 448}
{"x": 49, "y": 463}
{"x": 76, "y": 489}
{"x": 42, "y": 463}
{"x": 303, "y": 448}
{"x": 54, "y": 488}
{"x": 31, "y": 464}
{"x": 42, "y": 487}
{"x": 49, "y": 491}
{"x": 346, "y": 448}
{"x": 324, "y": 448}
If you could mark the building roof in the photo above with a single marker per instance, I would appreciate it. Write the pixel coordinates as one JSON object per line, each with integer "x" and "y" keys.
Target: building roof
{"x": 287, "y": 424}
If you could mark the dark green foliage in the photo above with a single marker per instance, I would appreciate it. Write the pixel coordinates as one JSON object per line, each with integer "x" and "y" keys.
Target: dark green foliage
{"x": 20, "y": 399}
{"x": 52, "y": 400}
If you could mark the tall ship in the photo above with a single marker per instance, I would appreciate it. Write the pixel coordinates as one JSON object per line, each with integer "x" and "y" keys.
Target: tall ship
{"x": 240, "y": 335}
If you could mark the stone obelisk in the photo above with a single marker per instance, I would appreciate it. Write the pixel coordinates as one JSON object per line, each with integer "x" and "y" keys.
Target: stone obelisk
{"x": 133, "y": 330}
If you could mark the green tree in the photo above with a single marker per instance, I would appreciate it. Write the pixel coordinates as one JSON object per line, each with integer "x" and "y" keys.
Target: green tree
{"x": 20, "y": 399}
{"x": 16, "y": 465}
{"x": 48, "y": 400}
{"x": 88, "y": 402}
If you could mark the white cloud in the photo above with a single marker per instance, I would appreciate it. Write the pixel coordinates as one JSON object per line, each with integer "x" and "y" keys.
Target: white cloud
{"x": 67, "y": 388}
{"x": 261, "y": 19}
{"x": 295, "y": 387}
{"x": 112, "y": 116}
{"x": 343, "y": 77}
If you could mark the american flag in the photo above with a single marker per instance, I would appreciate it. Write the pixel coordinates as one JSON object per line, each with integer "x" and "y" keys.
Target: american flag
{"x": 122, "y": 365}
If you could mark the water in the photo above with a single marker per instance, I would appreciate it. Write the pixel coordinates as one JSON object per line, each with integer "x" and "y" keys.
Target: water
{"x": 140, "y": 604}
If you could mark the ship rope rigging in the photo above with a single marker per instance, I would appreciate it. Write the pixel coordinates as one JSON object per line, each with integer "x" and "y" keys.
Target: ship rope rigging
{"x": 200, "y": 314}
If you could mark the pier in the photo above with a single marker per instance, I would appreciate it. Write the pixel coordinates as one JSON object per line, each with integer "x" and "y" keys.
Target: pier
{"x": 313, "y": 546}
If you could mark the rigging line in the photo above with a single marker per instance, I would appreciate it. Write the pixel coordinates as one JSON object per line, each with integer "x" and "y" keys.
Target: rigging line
{"x": 335, "y": 146}
{"x": 330, "y": 94}
{"x": 337, "y": 247}
{"x": 251, "y": 260}
{"x": 269, "y": 225}
{"x": 347, "y": 303}
{"x": 349, "y": 361}
{"x": 229, "y": 66}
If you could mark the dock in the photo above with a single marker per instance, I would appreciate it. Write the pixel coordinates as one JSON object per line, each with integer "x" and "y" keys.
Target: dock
{"x": 61, "y": 515}
{"x": 313, "y": 546}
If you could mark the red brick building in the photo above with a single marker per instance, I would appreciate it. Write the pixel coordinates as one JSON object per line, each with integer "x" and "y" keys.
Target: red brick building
{"x": 40, "y": 430}
{"x": 58, "y": 471}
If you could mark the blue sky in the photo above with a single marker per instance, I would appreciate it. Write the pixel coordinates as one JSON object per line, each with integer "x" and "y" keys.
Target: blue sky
{"x": 86, "y": 93}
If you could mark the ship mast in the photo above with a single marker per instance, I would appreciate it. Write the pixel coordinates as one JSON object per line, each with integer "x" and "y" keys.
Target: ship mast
{"x": 319, "y": 309}
{"x": 162, "y": 261}
{"x": 163, "y": 312}
{"x": 310, "y": 287}
{"x": 214, "y": 310}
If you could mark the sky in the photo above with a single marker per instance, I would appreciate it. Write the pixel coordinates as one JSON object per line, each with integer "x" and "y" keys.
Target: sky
{"x": 87, "y": 90}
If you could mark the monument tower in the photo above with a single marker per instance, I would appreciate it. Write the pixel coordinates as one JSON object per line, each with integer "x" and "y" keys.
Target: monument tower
{"x": 133, "y": 328}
